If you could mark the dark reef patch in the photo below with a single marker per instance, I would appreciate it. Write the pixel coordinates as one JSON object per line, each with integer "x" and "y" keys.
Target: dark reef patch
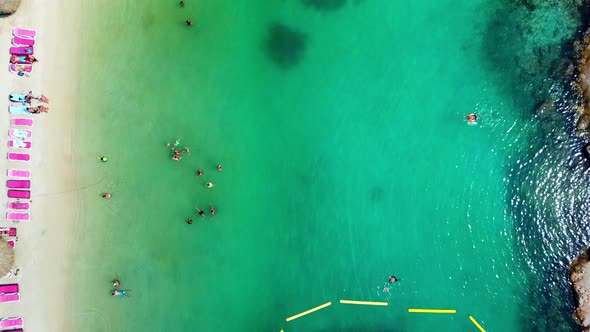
{"x": 285, "y": 46}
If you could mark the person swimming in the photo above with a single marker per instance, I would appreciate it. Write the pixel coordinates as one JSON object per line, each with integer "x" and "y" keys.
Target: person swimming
{"x": 392, "y": 279}
{"x": 116, "y": 283}
{"x": 209, "y": 184}
{"x": 471, "y": 118}
{"x": 212, "y": 210}
{"x": 103, "y": 159}
{"x": 199, "y": 172}
{"x": 201, "y": 213}
{"x": 120, "y": 293}
{"x": 219, "y": 168}
{"x": 189, "y": 221}
{"x": 106, "y": 196}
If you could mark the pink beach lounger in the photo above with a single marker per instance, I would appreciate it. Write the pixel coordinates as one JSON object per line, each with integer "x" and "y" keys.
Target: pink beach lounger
{"x": 22, "y": 32}
{"x": 17, "y": 68}
{"x": 19, "y": 173}
{"x": 18, "y": 216}
{"x": 20, "y": 133}
{"x": 19, "y": 194}
{"x": 8, "y": 231}
{"x": 19, "y": 50}
{"x": 11, "y": 243}
{"x": 17, "y": 206}
{"x": 11, "y": 322}
{"x": 5, "y": 289}
{"x": 22, "y": 122}
{"x": 19, "y": 156}
{"x": 20, "y": 41}
{"x": 7, "y": 298}
{"x": 17, "y": 330}
{"x": 21, "y": 184}
{"x": 18, "y": 144}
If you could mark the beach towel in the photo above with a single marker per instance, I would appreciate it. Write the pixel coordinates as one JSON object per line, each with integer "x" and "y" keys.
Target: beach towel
{"x": 19, "y": 50}
{"x": 23, "y": 32}
{"x": 8, "y": 231}
{"x": 17, "y": 206}
{"x": 19, "y": 109}
{"x": 22, "y": 122}
{"x": 20, "y": 41}
{"x": 15, "y": 156}
{"x": 20, "y": 144}
{"x": 11, "y": 322}
{"x": 19, "y": 173}
{"x": 18, "y": 97}
{"x": 8, "y": 288}
{"x": 20, "y": 68}
{"x": 6, "y": 298}
{"x": 17, "y": 216}
{"x": 20, "y": 184}
{"x": 20, "y": 133}
{"x": 12, "y": 193}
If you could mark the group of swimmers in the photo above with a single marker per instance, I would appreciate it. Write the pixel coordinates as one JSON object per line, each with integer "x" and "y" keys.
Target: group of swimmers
{"x": 391, "y": 279}
{"x": 118, "y": 292}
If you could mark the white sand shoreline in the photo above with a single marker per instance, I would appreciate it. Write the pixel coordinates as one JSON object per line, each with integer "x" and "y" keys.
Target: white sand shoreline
{"x": 44, "y": 250}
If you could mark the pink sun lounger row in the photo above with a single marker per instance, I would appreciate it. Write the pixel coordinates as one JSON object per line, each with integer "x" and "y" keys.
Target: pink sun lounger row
{"x": 14, "y": 156}
{"x": 22, "y": 122}
{"x": 21, "y": 41}
{"x": 18, "y": 144}
{"x": 12, "y": 322}
{"x": 18, "y": 216}
{"x": 20, "y": 133}
{"x": 8, "y": 288}
{"x": 24, "y": 194}
{"x": 20, "y": 50}
{"x": 11, "y": 297}
{"x": 8, "y": 231}
{"x": 19, "y": 173}
{"x": 18, "y": 184}
{"x": 15, "y": 205}
{"x": 23, "y": 32}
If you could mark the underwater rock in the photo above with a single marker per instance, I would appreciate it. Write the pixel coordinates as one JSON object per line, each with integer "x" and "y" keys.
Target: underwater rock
{"x": 580, "y": 279}
{"x": 545, "y": 108}
{"x": 325, "y": 5}
{"x": 8, "y": 7}
{"x": 285, "y": 45}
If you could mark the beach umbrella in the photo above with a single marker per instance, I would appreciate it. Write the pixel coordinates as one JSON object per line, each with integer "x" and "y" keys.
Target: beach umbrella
{"x": 6, "y": 257}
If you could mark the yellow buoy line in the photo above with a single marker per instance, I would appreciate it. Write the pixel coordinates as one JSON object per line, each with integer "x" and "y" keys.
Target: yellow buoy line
{"x": 384, "y": 304}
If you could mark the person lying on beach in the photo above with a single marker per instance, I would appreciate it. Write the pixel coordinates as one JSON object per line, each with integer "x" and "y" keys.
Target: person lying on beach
{"x": 38, "y": 109}
{"x": 29, "y": 97}
{"x": 23, "y": 59}
{"x": 120, "y": 293}
{"x": 201, "y": 213}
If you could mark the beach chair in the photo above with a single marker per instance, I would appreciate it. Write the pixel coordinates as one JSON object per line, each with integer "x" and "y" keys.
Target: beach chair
{"x": 7, "y": 298}
{"x": 8, "y": 231}
{"x": 20, "y": 41}
{"x": 23, "y": 32}
{"x": 11, "y": 243}
{"x": 12, "y": 322}
{"x": 20, "y": 133}
{"x": 18, "y": 216}
{"x": 15, "y": 156}
{"x": 20, "y": 68}
{"x": 19, "y": 144}
{"x": 8, "y": 288}
{"x": 22, "y": 122}
{"x": 19, "y": 173}
{"x": 15, "y": 205}
{"x": 19, "y": 109}
{"x": 19, "y": 184}
{"x": 23, "y": 194}
{"x": 19, "y": 50}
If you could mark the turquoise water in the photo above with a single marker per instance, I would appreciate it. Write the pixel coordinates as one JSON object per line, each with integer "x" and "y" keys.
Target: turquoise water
{"x": 346, "y": 159}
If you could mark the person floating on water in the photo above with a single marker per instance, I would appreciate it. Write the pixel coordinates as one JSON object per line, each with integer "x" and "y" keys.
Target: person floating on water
{"x": 471, "y": 118}
{"x": 120, "y": 293}
{"x": 189, "y": 221}
{"x": 212, "y": 211}
{"x": 219, "y": 168}
{"x": 189, "y": 23}
{"x": 392, "y": 279}
{"x": 106, "y": 196}
{"x": 199, "y": 172}
{"x": 116, "y": 283}
{"x": 209, "y": 184}
{"x": 181, "y": 4}
{"x": 201, "y": 213}
{"x": 103, "y": 159}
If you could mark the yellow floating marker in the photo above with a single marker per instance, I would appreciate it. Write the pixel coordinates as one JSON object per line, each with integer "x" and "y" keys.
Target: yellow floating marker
{"x": 307, "y": 312}
{"x": 433, "y": 311}
{"x": 476, "y": 324}
{"x": 364, "y": 302}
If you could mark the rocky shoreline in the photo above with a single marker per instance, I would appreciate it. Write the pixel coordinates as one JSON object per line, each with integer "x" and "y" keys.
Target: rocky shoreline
{"x": 580, "y": 279}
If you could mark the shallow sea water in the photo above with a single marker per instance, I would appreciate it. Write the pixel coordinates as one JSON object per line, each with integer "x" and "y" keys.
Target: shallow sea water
{"x": 340, "y": 126}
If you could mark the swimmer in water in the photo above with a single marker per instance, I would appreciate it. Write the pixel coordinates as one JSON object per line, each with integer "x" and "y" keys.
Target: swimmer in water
{"x": 106, "y": 196}
{"x": 209, "y": 184}
{"x": 120, "y": 293}
{"x": 176, "y": 157}
{"x": 103, "y": 159}
{"x": 116, "y": 283}
{"x": 189, "y": 221}
{"x": 212, "y": 211}
{"x": 219, "y": 168}
{"x": 189, "y": 23}
{"x": 199, "y": 172}
{"x": 392, "y": 279}
{"x": 201, "y": 213}
{"x": 181, "y": 4}
{"x": 471, "y": 118}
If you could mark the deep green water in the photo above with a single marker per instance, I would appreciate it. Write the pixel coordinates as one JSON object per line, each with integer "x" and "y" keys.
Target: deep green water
{"x": 346, "y": 159}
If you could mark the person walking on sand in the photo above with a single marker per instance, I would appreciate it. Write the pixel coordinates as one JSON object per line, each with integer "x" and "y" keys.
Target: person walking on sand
{"x": 201, "y": 213}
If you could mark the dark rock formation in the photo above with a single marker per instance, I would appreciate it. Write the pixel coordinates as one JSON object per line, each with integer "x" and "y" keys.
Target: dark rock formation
{"x": 580, "y": 279}
{"x": 8, "y": 7}
{"x": 285, "y": 45}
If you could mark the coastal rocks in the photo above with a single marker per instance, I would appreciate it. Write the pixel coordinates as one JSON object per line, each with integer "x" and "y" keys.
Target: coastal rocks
{"x": 285, "y": 45}
{"x": 8, "y": 7}
{"x": 580, "y": 279}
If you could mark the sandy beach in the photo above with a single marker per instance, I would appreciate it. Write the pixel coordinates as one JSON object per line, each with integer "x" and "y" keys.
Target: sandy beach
{"x": 44, "y": 246}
